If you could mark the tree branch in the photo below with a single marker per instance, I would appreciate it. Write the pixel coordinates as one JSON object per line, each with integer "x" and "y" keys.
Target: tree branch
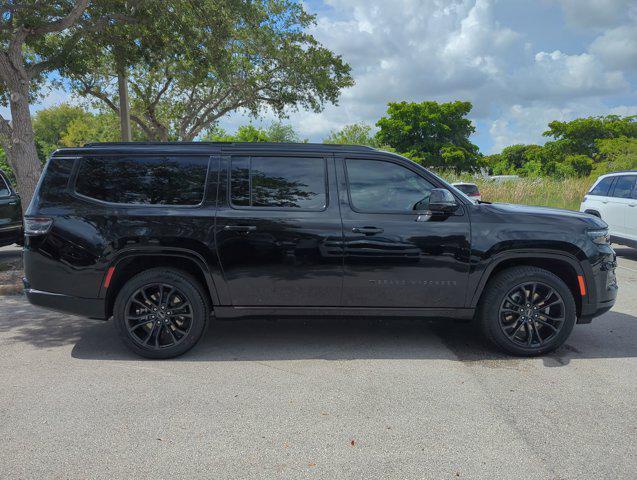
{"x": 63, "y": 23}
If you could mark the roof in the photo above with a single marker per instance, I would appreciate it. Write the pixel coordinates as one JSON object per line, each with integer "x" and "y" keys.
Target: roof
{"x": 619, "y": 172}
{"x": 209, "y": 148}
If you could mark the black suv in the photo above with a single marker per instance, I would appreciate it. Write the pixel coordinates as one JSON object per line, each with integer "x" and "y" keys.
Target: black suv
{"x": 163, "y": 236}
{"x": 10, "y": 214}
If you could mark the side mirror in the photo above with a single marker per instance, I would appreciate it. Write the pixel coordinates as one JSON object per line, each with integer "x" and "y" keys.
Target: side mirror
{"x": 441, "y": 201}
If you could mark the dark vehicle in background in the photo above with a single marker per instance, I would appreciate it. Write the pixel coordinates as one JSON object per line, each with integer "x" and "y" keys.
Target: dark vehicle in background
{"x": 161, "y": 237}
{"x": 10, "y": 214}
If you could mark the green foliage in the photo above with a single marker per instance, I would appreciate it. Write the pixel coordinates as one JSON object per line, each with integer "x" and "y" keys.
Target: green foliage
{"x": 276, "y": 132}
{"x": 580, "y": 134}
{"x": 353, "y": 134}
{"x": 436, "y": 134}
{"x": 214, "y": 57}
{"x": 102, "y": 127}
{"x": 616, "y": 154}
{"x": 50, "y": 124}
{"x": 582, "y": 147}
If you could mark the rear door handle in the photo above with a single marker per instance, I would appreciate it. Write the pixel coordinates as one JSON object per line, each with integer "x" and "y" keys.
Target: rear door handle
{"x": 240, "y": 228}
{"x": 632, "y": 204}
{"x": 13, "y": 203}
{"x": 367, "y": 230}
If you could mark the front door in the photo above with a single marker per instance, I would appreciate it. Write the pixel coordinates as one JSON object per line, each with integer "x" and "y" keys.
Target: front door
{"x": 396, "y": 256}
{"x": 278, "y": 231}
{"x": 618, "y": 207}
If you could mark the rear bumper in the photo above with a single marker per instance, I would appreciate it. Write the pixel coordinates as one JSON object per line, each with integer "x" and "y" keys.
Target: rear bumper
{"x": 84, "y": 307}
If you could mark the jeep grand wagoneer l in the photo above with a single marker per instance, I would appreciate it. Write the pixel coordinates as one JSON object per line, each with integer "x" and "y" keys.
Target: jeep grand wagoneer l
{"x": 160, "y": 237}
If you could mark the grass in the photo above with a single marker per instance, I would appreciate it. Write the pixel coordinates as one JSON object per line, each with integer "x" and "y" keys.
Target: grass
{"x": 549, "y": 192}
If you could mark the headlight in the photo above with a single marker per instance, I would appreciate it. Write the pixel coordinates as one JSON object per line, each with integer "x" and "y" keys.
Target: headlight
{"x": 600, "y": 237}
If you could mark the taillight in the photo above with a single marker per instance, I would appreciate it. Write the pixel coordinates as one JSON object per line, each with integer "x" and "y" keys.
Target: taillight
{"x": 37, "y": 225}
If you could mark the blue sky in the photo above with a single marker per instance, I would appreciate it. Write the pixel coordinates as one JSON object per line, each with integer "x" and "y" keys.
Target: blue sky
{"x": 521, "y": 63}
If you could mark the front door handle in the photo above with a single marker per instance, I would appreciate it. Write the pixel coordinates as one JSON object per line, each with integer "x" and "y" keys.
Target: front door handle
{"x": 240, "y": 228}
{"x": 632, "y": 204}
{"x": 13, "y": 203}
{"x": 367, "y": 230}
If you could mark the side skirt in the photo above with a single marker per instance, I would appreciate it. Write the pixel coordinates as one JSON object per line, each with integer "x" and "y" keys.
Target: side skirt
{"x": 238, "y": 312}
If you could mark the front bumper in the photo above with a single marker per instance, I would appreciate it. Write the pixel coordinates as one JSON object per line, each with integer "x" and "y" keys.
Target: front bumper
{"x": 84, "y": 307}
{"x": 602, "y": 288}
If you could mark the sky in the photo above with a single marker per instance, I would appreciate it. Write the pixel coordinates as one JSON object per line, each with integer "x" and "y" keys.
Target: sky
{"x": 520, "y": 63}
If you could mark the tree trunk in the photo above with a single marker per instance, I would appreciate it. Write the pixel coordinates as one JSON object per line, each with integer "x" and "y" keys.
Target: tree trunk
{"x": 124, "y": 106}
{"x": 22, "y": 153}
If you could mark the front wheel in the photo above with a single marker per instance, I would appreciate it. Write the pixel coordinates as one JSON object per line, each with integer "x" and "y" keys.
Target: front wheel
{"x": 527, "y": 311}
{"x": 161, "y": 313}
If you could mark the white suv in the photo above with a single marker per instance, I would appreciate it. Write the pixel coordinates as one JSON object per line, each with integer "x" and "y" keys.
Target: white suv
{"x": 613, "y": 197}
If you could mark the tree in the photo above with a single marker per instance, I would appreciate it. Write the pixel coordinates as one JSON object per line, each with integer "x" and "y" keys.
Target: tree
{"x": 101, "y": 127}
{"x": 38, "y": 37}
{"x": 579, "y": 135}
{"x": 218, "y": 57}
{"x": 276, "y": 132}
{"x": 615, "y": 154}
{"x": 354, "y": 134}
{"x": 50, "y": 124}
{"x": 437, "y": 134}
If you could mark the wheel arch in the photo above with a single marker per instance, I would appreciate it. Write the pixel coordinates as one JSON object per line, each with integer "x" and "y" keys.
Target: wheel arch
{"x": 130, "y": 263}
{"x": 562, "y": 264}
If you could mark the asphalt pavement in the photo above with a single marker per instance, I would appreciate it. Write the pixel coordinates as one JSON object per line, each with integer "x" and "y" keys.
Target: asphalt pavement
{"x": 326, "y": 398}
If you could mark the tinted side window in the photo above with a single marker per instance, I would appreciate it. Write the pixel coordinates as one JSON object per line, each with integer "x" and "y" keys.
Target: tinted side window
{"x": 624, "y": 186}
{"x": 143, "y": 180}
{"x": 602, "y": 187}
{"x": 376, "y": 186}
{"x": 278, "y": 182}
{"x": 4, "y": 188}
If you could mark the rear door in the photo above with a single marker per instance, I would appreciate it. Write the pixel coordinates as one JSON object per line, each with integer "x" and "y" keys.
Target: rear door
{"x": 617, "y": 208}
{"x": 10, "y": 213}
{"x": 278, "y": 230}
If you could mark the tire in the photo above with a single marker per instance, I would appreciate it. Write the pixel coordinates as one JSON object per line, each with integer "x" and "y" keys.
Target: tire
{"x": 508, "y": 322}
{"x": 165, "y": 307}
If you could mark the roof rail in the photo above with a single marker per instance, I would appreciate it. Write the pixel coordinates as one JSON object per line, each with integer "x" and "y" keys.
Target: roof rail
{"x": 234, "y": 144}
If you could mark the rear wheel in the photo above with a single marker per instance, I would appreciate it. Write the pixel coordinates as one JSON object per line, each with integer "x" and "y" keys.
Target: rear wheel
{"x": 527, "y": 311}
{"x": 161, "y": 313}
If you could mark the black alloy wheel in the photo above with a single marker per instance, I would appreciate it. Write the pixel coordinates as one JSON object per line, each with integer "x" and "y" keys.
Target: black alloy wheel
{"x": 158, "y": 316}
{"x": 532, "y": 314}
{"x": 161, "y": 312}
{"x": 527, "y": 311}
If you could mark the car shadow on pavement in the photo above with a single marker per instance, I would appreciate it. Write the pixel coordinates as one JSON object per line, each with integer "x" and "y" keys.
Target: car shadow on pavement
{"x": 613, "y": 335}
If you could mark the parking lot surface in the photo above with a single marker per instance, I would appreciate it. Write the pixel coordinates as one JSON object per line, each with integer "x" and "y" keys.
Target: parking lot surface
{"x": 326, "y": 398}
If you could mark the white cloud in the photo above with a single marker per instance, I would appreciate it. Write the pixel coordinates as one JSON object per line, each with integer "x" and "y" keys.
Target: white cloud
{"x": 617, "y": 48}
{"x": 597, "y": 13}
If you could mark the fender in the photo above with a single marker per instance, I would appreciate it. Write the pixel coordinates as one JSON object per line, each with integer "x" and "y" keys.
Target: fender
{"x": 580, "y": 267}
{"x": 191, "y": 255}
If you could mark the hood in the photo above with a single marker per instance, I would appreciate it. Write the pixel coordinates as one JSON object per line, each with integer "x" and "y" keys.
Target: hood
{"x": 528, "y": 214}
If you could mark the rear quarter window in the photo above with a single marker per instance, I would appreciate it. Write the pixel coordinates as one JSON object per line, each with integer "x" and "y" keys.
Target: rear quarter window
{"x": 156, "y": 180}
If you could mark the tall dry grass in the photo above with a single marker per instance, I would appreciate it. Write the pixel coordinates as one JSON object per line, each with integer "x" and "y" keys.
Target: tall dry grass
{"x": 549, "y": 192}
